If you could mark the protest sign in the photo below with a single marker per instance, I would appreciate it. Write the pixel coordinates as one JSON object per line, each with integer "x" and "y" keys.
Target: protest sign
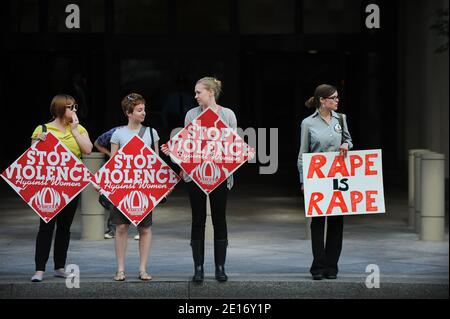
{"x": 208, "y": 150}
{"x": 334, "y": 185}
{"x": 135, "y": 179}
{"x": 47, "y": 176}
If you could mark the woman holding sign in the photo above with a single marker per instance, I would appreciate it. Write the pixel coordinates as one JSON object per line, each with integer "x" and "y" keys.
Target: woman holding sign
{"x": 65, "y": 126}
{"x": 324, "y": 131}
{"x": 133, "y": 106}
{"x": 207, "y": 91}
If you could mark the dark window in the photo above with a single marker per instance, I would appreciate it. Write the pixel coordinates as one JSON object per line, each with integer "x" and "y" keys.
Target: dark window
{"x": 25, "y": 15}
{"x": 267, "y": 16}
{"x": 331, "y": 16}
{"x": 140, "y": 16}
{"x": 203, "y": 16}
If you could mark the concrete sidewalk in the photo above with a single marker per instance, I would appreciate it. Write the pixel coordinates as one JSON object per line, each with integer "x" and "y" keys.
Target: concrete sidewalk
{"x": 268, "y": 256}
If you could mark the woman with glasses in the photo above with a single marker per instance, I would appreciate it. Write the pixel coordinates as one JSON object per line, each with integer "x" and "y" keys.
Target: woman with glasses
{"x": 324, "y": 131}
{"x": 65, "y": 126}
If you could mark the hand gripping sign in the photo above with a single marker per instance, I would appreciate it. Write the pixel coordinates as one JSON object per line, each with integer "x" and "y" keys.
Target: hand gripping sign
{"x": 208, "y": 150}
{"x": 47, "y": 176}
{"x": 135, "y": 179}
{"x": 334, "y": 185}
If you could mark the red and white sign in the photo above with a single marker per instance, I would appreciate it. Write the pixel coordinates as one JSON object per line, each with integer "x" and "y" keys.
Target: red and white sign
{"x": 334, "y": 185}
{"x": 135, "y": 179}
{"x": 47, "y": 176}
{"x": 208, "y": 150}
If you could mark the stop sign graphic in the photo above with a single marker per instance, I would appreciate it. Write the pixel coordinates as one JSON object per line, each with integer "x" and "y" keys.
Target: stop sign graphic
{"x": 208, "y": 150}
{"x": 135, "y": 179}
{"x": 47, "y": 176}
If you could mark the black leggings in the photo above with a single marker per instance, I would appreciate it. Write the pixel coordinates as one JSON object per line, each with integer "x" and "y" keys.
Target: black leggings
{"x": 326, "y": 256}
{"x": 62, "y": 238}
{"x": 218, "y": 201}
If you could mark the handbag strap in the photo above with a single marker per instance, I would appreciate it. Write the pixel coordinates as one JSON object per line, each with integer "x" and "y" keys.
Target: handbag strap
{"x": 44, "y": 128}
{"x": 142, "y": 132}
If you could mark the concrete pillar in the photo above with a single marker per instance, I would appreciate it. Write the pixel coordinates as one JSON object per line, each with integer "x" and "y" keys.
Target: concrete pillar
{"x": 92, "y": 213}
{"x": 417, "y": 194}
{"x": 432, "y": 202}
{"x": 209, "y": 232}
{"x": 411, "y": 186}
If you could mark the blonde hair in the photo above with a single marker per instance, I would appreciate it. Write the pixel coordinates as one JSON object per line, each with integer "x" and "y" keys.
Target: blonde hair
{"x": 130, "y": 101}
{"x": 59, "y": 104}
{"x": 211, "y": 84}
{"x": 322, "y": 91}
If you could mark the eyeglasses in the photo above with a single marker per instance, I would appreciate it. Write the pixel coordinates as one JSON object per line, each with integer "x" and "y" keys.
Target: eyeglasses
{"x": 73, "y": 107}
{"x": 334, "y": 98}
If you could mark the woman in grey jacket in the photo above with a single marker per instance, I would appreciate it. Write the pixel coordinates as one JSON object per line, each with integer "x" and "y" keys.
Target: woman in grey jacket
{"x": 324, "y": 131}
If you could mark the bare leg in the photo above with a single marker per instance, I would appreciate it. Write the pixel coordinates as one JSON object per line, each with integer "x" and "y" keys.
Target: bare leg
{"x": 121, "y": 241}
{"x": 145, "y": 243}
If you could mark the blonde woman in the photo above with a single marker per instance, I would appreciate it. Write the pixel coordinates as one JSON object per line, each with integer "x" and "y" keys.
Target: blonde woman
{"x": 207, "y": 91}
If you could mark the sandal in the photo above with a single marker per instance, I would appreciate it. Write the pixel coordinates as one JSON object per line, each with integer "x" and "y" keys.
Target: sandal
{"x": 144, "y": 276}
{"x": 120, "y": 276}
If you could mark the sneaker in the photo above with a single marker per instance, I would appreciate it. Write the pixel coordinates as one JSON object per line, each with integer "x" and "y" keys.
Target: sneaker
{"x": 37, "y": 278}
{"x": 109, "y": 235}
{"x": 136, "y": 237}
{"x": 60, "y": 273}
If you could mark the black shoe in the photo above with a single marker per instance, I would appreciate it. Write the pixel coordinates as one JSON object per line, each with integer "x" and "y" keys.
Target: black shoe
{"x": 220, "y": 254}
{"x": 109, "y": 235}
{"x": 220, "y": 274}
{"x": 317, "y": 277}
{"x": 330, "y": 276}
{"x": 199, "y": 274}
{"x": 198, "y": 254}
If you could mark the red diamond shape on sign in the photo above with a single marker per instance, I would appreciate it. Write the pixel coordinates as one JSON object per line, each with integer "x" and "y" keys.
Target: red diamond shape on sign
{"x": 47, "y": 176}
{"x": 136, "y": 179}
{"x": 208, "y": 150}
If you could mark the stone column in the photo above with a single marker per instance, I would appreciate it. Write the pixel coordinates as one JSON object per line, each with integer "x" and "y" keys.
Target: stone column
{"x": 432, "y": 202}
{"x": 411, "y": 186}
{"x": 417, "y": 195}
{"x": 92, "y": 213}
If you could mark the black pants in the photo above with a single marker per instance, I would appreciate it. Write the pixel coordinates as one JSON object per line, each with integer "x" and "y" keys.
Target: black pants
{"x": 62, "y": 238}
{"x": 218, "y": 201}
{"x": 326, "y": 256}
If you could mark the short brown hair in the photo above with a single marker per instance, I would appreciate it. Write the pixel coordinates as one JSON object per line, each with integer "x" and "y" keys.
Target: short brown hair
{"x": 322, "y": 91}
{"x": 59, "y": 104}
{"x": 130, "y": 101}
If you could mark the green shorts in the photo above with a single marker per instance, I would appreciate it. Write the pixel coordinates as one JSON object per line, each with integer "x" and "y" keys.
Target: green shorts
{"x": 118, "y": 218}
